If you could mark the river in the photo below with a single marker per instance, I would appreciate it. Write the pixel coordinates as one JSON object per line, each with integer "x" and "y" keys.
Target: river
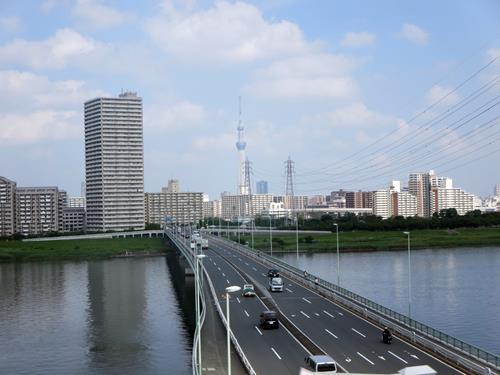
{"x": 454, "y": 290}
{"x": 119, "y": 316}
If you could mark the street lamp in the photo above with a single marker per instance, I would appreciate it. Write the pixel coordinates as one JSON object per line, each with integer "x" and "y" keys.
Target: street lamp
{"x": 297, "y": 233}
{"x": 271, "y": 233}
{"x": 229, "y": 289}
{"x": 338, "y": 254}
{"x": 198, "y": 286}
{"x": 409, "y": 275}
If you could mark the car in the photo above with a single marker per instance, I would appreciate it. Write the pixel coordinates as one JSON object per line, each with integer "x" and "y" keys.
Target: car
{"x": 248, "y": 290}
{"x": 269, "y": 319}
{"x": 273, "y": 273}
{"x": 321, "y": 364}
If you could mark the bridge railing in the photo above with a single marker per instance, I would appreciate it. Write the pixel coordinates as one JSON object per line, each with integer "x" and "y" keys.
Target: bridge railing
{"x": 188, "y": 254}
{"x": 408, "y": 327}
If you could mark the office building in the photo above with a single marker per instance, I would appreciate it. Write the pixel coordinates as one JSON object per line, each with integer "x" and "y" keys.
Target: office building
{"x": 419, "y": 186}
{"x": 178, "y": 208}
{"x": 39, "y": 210}
{"x": 114, "y": 163}
{"x": 7, "y": 207}
{"x": 262, "y": 187}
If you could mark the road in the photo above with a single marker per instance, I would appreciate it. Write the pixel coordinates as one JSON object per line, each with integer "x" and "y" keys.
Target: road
{"x": 352, "y": 341}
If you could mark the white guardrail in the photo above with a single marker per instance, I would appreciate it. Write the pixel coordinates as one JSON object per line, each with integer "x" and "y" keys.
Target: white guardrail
{"x": 413, "y": 330}
{"x": 186, "y": 251}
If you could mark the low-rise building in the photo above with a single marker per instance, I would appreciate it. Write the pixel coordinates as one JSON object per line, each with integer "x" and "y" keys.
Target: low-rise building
{"x": 74, "y": 219}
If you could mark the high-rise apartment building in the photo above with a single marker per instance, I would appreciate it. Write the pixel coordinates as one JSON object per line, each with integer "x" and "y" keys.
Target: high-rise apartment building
{"x": 7, "y": 207}
{"x": 212, "y": 209}
{"x": 497, "y": 190}
{"x": 262, "y": 187}
{"x": 172, "y": 187}
{"x": 382, "y": 203}
{"x": 114, "y": 163}
{"x": 39, "y": 210}
{"x": 442, "y": 199}
{"x": 359, "y": 199}
{"x": 419, "y": 186}
{"x": 403, "y": 204}
{"x": 76, "y": 202}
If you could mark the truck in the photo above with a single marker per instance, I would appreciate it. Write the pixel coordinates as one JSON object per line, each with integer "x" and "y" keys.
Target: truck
{"x": 204, "y": 243}
{"x": 276, "y": 284}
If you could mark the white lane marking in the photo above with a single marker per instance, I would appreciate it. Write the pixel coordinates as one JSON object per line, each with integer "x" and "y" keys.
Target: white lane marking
{"x": 382, "y": 358}
{"x": 277, "y": 355}
{"x": 228, "y": 281}
{"x": 237, "y": 299}
{"x": 331, "y": 333}
{"x": 414, "y": 356}
{"x": 327, "y": 313}
{"x": 246, "y": 264}
{"x": 303, "y": 313}
{"x": 288, "y": 290}
{"x": 255, "y": 269}
{"x": 316, "y": 314}
{"x": 258, "y": 330}
{"x": 359, "y": 333}
{"x": 218, "y": 268}
{"x": 362, "y": 356}
{"x": 223, "y": 274}
{"x": 401, "y": 359}
{"x": 306, "y": 300}
{"x": 338, "y": 312}
{"x": 240, "y": 259}
{"x": 248, "y": 316}
{"x": 215, "y": 264}
{"x": 264, "y": 275}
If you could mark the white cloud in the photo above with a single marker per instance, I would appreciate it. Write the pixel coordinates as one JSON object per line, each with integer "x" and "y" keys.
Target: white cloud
{"x": 414, "y": 34}
{"x": 52, "y": 53}
{"x": 9, "y": 23}
{"x": 355, "y": 115}
{"x": 39, "y": 126}
{"x": 227, "y": 32}
{"x": 315, "y": 75}
{"x": 94, "y": 14}
{"x": 361, "y": 39}
{"x": 26, "y": 90}
{"x": 444, "y": 95}
{"x": 176, "y": 116}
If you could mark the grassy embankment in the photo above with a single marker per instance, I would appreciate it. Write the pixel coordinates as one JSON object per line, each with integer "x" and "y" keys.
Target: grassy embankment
{"x": 85, "y": 249}
{"x": 373, "y": 241}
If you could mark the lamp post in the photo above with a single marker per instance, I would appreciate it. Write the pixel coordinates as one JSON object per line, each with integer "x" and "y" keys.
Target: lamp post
{"x": 229, "y": 289}
{"x": 409, "y": 275}
{"x": 271, "y": 233}
{"x": 338, "y": 254}
{"x": 198, "y": 286}
{"x": 297, "y": 234}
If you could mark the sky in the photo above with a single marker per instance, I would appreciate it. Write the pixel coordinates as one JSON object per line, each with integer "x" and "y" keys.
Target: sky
{"x": 356, "y": 93}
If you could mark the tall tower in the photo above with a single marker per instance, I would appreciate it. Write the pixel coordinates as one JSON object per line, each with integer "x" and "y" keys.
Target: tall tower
{"x": 289, "y": 195}
{"x": 240, "y": 146}
{"x": 114, "y": 163}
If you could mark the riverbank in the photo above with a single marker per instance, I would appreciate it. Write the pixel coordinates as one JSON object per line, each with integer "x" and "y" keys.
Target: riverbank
{"x": 374, "y": 241}
{"x": 88, "y": 249}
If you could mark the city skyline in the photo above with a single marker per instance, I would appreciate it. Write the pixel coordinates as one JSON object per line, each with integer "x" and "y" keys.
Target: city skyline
{"x": 311, "y": 86}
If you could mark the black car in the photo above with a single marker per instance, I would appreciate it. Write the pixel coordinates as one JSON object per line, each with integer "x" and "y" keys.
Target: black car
{"x": 269, "y": 319}
{"x": 273, "y": 273}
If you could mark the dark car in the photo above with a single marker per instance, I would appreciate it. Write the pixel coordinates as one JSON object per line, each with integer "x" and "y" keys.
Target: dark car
{"x": 273, "y": 273}
{"x": 269, "y": 319}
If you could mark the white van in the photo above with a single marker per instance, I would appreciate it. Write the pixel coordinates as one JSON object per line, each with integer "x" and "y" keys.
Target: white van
{"x": 276, "y": 284}
{"x": 321, "y": 364}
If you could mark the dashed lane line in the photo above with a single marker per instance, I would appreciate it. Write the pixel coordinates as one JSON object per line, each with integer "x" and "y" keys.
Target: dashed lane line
{"x": 303, "y": 313}
{"x": 277, "y": 355}
{"x": 401, "y": 359}
{"x": 327, "y": 313}
{"x": 289, "y": 290}
{"x": 237, "y": 299}
{"x": 248, "y": 316}
{"x": 366, "y": 359}
{"x": 327, "y": 331}
{"x": 258, "y": 330}
{"x": 359, "y": 333}
{"x": 228, "y": 281}
{"x": 306, "y": 300}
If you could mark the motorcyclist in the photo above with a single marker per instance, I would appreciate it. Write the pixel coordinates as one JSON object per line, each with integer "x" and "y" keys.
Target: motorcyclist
{"x": 386, "y": 335}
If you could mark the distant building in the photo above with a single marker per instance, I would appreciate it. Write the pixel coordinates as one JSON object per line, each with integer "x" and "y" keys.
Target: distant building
{"x": 7, "y": 207}
{"x": 359, "y": 199}
{"x": 114, "y": 163}
{"x": 440, "y": 182}
{"x": 382, "y": 203}
{"x": 212, "y": 209}
{"x": 172, "y": 187}
{"x": 242, "y": 206}
{"x": 337, "y": 199}
{"x": 403, "y": 204}
{"x": 74, "y": 219}
{"x": 497, "y": 190}
{"x": 262, "y": 187}
{"x": 442, "y": 199}
{"x": 39, "y": 210}
{"x": 76, "y": 202}
{"x": 419, "y": 186}
{"x": 317, "y": 201}
{"x": 179, "y": 208}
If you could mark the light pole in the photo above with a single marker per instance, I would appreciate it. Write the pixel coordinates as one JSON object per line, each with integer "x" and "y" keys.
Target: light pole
{"x": 409, "y": 275}
{"x": 198, "y": 286}
{"x": 338, "y": 254}
{"x": 271, "y": 233}
{"x": 229, "y": 289}
{"x": 297, "y": 233}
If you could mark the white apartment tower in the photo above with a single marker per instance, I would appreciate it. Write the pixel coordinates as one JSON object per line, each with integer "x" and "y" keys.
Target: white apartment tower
{"x": 7, "y": 207}
{"x": 419, "y": 186}
{"x": 114, "y": 163}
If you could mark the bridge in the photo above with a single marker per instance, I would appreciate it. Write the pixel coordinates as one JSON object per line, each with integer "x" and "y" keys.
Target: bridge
{"x": 318, "y": 317}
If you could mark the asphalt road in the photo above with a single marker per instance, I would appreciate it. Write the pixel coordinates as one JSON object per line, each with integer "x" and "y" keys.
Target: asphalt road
{"x": 352, "y": 341}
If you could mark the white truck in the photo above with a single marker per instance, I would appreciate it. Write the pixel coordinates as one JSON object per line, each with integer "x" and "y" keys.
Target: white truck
{"x": 276, "y": 284}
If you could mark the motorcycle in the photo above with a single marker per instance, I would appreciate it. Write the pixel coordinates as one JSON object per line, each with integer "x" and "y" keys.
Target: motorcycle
{"x": 386, "y": 338}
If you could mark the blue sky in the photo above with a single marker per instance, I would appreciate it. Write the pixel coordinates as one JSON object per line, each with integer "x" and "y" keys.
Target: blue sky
{"x": 331, "y": 84}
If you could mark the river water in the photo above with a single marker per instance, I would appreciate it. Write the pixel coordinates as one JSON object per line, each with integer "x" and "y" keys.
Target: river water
{"x": 454, "y": 290}
{"x": 120, "y": 316}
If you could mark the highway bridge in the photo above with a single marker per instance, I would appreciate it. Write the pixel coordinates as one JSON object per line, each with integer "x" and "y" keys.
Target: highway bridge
{"x": 319, "y": 318}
